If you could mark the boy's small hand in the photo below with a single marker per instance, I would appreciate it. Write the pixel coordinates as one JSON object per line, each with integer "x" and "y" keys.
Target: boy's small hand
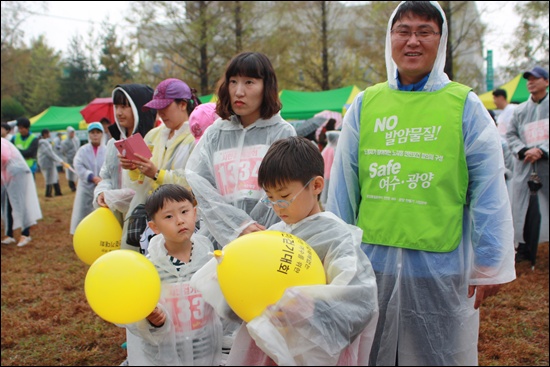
{"x": 101, "y": 201}
{"x": 293, "y": 308}
{"x": 254, "y": 227}
{"x": 157, "y": 317}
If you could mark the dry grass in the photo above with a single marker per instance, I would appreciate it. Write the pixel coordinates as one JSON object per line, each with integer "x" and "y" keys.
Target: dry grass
{"x": 47, "y": 321}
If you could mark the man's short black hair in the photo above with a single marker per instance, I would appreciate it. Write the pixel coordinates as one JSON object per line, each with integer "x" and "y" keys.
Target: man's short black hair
{"x": 423, "y": 9}
{"x": 23, "y": 122}
{"x": 500, "y": 92}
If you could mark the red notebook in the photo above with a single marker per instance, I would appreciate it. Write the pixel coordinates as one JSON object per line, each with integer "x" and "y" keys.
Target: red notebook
{"x": 134, "y": 144}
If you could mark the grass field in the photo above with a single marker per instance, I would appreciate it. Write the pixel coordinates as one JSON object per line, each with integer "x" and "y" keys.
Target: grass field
{"x": 47, "y": 321}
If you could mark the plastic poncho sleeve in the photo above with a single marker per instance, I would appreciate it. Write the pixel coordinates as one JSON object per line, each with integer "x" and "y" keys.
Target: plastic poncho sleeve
{"x": 109, "y": 172}
{"x": 163, "y": 340}
{"x": 49, "y": 153}
{"x": 80, "y": 159}
{"x": 487, "y": 198}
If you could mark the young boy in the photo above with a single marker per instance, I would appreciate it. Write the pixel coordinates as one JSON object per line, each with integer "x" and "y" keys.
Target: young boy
{"x": 182, "y": 330}
{"x": 330, "y": 324}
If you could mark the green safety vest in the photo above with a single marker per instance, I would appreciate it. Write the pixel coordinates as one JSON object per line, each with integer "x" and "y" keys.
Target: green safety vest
{"x": 412, "y": 167}
{"x": 24, "y": 145}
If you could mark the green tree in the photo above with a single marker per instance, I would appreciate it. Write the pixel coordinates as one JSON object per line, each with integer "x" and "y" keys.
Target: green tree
{"x": 316, "y": 46}
{"x": 40, "y": 81}
{"x": 11, "y": 109}
{"x": 529, "y": 45}
{"x": 77, "y": 84}
{"x": 193, "y": 40}
{"x": 116, "y": 62}
{"x": 14, "y": 57}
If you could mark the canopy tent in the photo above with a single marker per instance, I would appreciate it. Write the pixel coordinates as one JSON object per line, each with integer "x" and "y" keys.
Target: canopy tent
{"x": 208, "y": 98}
{"x": 516, "y": 89}
{"x": 298, "y": 105}
{"x": 57, "y": 118}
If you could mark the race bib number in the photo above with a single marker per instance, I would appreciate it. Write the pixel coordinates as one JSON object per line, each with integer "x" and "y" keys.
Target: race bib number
{"x": 186, "y": 306}
{"x": 536, "y": 133}
{"x": 239, "y": 172}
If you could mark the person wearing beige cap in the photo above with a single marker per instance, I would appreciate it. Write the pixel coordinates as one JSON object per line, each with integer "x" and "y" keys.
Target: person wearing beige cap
{"x": 69, "y": 146}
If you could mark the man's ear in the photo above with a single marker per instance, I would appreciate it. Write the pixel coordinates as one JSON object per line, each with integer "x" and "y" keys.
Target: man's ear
{"x": 153, "y": 226}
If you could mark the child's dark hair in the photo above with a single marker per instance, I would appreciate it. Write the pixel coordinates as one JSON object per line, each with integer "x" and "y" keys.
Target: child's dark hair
{"x": 165, "y": 193}
{"x": 290, "y": 159}
{"x": 253, "y": 65}
{"x": 119, "y": 98}
{"x": 423, "y": 9}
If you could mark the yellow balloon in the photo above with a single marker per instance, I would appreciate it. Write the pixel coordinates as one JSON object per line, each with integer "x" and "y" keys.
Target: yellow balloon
{"x": 98, "y": 233}
{"x": 255, "y": 269}
{"x": 122, "y": 286}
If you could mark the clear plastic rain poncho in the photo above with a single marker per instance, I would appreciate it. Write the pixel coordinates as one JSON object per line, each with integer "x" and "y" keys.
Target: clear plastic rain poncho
{"x": 47, "y": 159}
{"x": 426, "y": 317}
{"x": 85, "y": 163}
{"x": 223, "y": 174}
{"x": 19, "y": 188}
{"x": 318, "y": 325}
{"x": 527, "y": 129}
{"x": 192, "y": 332}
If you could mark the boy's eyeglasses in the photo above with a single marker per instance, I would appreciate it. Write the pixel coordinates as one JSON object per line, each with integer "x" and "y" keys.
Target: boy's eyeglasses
{"x": 283, "y": 204}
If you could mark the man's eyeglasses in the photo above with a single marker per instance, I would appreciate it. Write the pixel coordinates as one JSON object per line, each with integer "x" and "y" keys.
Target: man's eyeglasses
{"x": 405, "y": 34}
{"x": 283, "y": 204}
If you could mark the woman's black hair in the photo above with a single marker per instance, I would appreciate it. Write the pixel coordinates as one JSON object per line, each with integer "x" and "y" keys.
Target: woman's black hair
{"x": 252, "y": 65}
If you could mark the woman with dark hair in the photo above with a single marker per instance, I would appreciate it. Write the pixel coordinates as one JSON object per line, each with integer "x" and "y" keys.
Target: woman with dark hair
{"x": 114, "y": 188}
{"x": 222, "y": 170}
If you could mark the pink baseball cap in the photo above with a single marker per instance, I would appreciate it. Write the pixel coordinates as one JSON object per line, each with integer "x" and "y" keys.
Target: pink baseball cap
{"x": 202, "y": 116}
{"x": 166, "y": 92}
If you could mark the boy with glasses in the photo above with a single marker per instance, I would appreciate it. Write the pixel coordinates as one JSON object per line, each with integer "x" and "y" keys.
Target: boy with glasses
{"x": 322, "y": 325}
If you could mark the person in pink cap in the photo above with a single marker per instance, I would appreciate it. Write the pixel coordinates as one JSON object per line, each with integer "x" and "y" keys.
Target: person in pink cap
{"x": 202, "y": 117}
{"x": 171, "y": 143}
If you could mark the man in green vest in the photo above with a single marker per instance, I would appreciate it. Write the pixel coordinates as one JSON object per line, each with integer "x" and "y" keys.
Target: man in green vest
{"x": 419, "y": 168}
{"x": 26, "y": 142}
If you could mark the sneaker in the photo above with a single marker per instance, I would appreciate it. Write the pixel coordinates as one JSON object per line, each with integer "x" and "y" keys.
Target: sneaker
{"x": 23, "y": 241}
{"x": 8, "y": 240}
{"x": 125, "y": 363}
